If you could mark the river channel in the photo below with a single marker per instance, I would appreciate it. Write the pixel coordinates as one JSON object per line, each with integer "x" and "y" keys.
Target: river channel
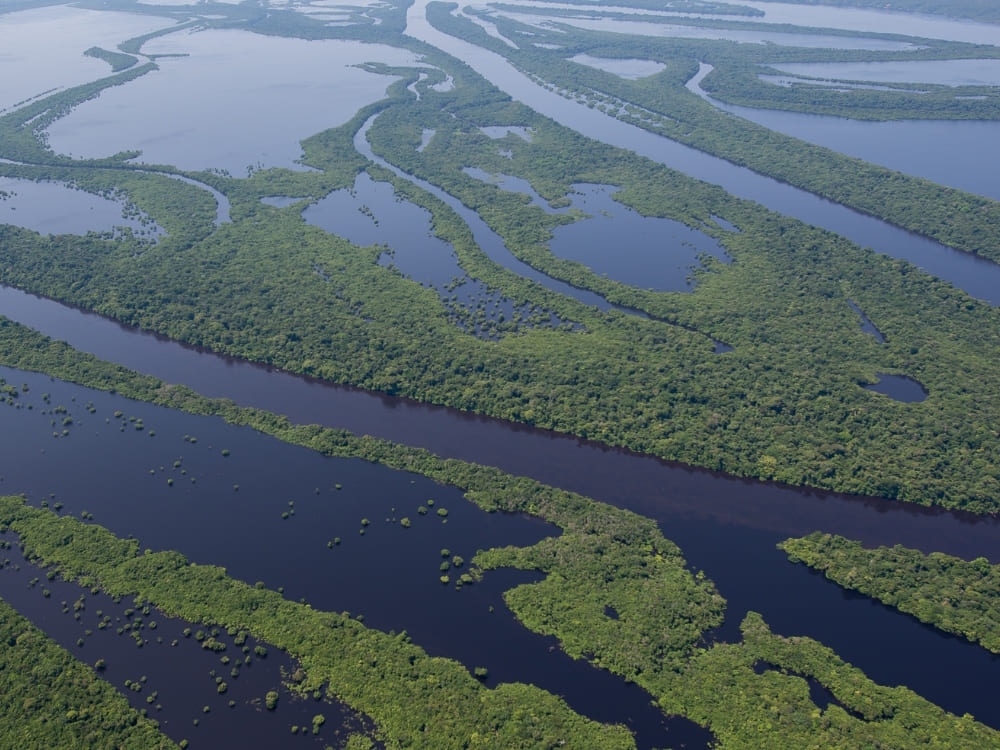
{"x": 977, "y": 276}
{"x": 725, "y": 526}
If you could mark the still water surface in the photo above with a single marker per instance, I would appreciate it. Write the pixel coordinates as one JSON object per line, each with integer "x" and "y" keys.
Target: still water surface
{"x": 235, "y": 101}
{"x": 976, "y": 276}
{"x": 170, "y": 667}
{"x": 45, "y": 46}
{"x": 956, "y": 153}
{"x": 328, "y": 531}
{"x": 726, "y": 526}
{"x": 57, "y": 208}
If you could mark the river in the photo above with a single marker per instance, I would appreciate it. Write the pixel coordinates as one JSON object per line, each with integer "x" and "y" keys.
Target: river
{"x": 725, "y": 526}
{"x": 978, "y": 277}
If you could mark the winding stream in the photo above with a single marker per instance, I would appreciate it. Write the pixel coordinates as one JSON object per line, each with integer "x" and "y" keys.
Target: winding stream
{"x": 726, "y": 526}
{"x": 977, "y": 276}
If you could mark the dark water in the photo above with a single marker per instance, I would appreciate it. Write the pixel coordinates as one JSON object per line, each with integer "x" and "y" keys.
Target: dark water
{"x": 645, "y": 252}
{"x": 866, "y": 325}
{"x": 889, "y": 646}
{"x": 327, "y": 531}
{"x": 227, "y": 99}
{"x": 58, "y": 208}
{"x": 978, "y": 277}
{"x": 371, "y": 213}
{"x": 172, "y": 668}
{"x": 932, "y": 26}
{"x": 899, "y": 388}
{"x": 512, "y": 184}
{"x": 660, "y": 254}
{"x": 487, "y": 240}
{"x": 956, "y": 153}
{"x": 724, "y": 525}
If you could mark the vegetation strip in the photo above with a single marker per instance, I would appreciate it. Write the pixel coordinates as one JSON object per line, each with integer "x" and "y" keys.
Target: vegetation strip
{"x": 49, "y": 699}
{"x": 785, "y": 405}
{"x": 415, "y": 700}
{"x": 616, "y": 593}
{"x": 955, "y": 595}
{"x": 664, "y": 106}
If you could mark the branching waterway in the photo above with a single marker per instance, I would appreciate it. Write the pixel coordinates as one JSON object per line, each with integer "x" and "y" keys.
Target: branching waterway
{"x": 726, "y": 526}
{"x": 332, "y": 531}
{"x": 977, "y": 276}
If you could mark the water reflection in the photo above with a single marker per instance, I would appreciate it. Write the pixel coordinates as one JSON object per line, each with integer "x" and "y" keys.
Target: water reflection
{"x": 57, "y": 208}
{"x": 875, "y": 21}
{"x": 899, "y": 388}
{"x": 749, "y": 36}
{"x": 45, "y": 46}
{"x": 939, "y": 72}
{"x": 371, "y": 213}
{"x": 166, "y": 673}
{"x": 956, "y": 153}
{"x": 340, "y": 534}
{"x": 647, "y": 252}
{"x": 724, "y": 525}
{"x": 204, "y": 110}
{"x": 630, "y": 69}
{"x": 975, "y": 275}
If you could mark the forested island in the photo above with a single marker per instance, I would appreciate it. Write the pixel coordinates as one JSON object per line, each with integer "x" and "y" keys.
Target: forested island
{"x": 709, "y": 311}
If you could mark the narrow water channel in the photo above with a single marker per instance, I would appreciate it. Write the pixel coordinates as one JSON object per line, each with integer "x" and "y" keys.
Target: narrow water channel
{"x": 341, "y": 534}
{"x": 487, "y": 240}
{"x": 978, "y": 277}
{"x": 726, "y": 526}
{"x": 956, "y": 153}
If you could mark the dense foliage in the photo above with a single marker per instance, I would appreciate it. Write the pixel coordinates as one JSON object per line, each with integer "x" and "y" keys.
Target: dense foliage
{"x": 663, "y": 105}
{"x": 415, "y": 700}
{"x": 955, "y": 595}
{"x": 48, "y": 699}
{"x": 117, "y": 60}
{"x": 615, "y": 593}
{"x": 784, "y": 405}
{"x": 755, "y": 694}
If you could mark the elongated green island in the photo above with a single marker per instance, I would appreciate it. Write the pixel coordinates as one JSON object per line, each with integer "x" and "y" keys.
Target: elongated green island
{"x": 958, "y": 596}
{"x": 770, "y": 359}
{"x": 604, "y": 558}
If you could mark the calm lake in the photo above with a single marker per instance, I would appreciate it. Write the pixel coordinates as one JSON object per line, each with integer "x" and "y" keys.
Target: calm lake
{"x": 206, "y": 109}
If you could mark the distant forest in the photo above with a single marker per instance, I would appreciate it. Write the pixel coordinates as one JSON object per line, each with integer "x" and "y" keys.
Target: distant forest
{"x": 981, "y": 10}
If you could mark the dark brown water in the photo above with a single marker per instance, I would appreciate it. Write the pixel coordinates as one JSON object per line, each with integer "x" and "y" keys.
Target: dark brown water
{"x": 172, "y": 668}
{"x": 726, "y": 526}
{"x": 324, "y": 530}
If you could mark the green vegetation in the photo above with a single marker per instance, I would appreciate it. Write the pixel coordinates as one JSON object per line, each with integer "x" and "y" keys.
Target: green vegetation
{"x": 48, "y": 699}
{"x": 415, "y": 700}
{"x": 603, "y": 558}
{"x": 663, "y": 105}
{"x": 955, "y": 595}
{"x": 754, "y": 694}
{"x": 784, "y": 405}
{"x": 117, "y": 60}
{"x": 980, "y": 10}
